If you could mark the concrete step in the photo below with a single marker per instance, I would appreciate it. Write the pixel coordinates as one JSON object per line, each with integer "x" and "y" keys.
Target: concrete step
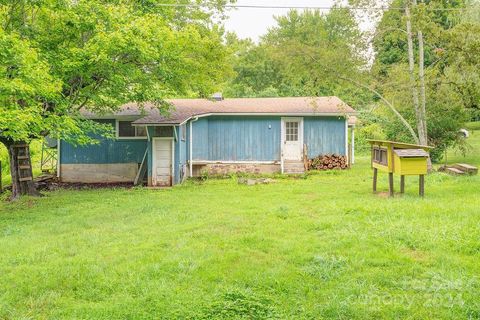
{"x": 466, "y": 168}
{"x": 454, "y": 171}
{"x": 293, "y": 172}
{"x": 293, "y": 167}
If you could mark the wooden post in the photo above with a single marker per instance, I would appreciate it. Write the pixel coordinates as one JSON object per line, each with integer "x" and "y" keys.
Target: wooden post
{"x": 402, "y": 184}
{"x": 305, "y": 157}
{"x": 349, "y": 155}
{"x": 375, "y": 174}
{"x": 390, "y": 183}
{"x": 421, "y": 185}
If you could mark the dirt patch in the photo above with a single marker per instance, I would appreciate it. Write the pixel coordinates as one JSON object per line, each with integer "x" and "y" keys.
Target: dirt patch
{"x": 80, "y": 186}
{"x": 383, "y": 194}
{"x": 416, "y": 255}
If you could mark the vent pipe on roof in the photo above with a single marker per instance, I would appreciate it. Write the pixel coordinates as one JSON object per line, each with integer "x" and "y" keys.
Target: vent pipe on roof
{"x": 217, "y": 96}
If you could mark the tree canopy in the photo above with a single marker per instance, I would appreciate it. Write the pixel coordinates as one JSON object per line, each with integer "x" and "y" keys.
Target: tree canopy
{"x": 450, "y": 79}
{"x": 98, "y": 55}
{"x": 296, "y": 58}
{"x": 313, "y": 53}
{"x": 61, "y": 56}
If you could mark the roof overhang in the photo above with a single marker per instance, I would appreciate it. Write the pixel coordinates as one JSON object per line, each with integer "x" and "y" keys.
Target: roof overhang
{"x": 398, "y": 144}
{"x": 306, "y": 114}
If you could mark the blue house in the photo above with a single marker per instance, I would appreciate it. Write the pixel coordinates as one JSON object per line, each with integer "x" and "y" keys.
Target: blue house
{"x": 258, "y": 135}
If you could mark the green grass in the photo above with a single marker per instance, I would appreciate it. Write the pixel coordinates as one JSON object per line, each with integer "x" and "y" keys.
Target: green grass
{"x": 472, "y": 155}
{"x": 319, "y": 247}
{"x": 474, "y": 125}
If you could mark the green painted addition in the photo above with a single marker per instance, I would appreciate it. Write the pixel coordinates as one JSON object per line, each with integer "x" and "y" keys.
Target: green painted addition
{"x": 180, "y": 153}
{"x": 107, "y": 151}
{"x": 410, "y": 166}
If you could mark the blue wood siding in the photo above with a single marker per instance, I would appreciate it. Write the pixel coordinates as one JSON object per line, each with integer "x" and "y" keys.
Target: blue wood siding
{"x": 324, "y": 135}
{"x": 216, "y": 138}
{"x": 107, "y": 151}
{"x": 240, "y": 138}
{"x": 200, "y": 139}
{"x": 180, "y": 154}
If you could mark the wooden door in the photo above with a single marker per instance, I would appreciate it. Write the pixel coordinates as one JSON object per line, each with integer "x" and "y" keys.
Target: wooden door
{"x": 162, "y": 162}
{"x": 292, "y": 138}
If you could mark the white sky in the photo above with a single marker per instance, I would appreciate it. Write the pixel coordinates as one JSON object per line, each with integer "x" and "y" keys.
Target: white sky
{"x": 253, "y": 23}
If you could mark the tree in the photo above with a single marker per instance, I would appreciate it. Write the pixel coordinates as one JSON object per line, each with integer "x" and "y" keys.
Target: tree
{"x": 59, "y": 57}
{"x": 285, "y": 62}
{"x": 425, "y": 40}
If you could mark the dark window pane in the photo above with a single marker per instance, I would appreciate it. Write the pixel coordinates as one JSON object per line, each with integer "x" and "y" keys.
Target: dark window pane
{"x": 165, "y": 132}
{"x": 291, "y": 131}
{"x": 125, "y": 129}
{"x": 141, "y": 132}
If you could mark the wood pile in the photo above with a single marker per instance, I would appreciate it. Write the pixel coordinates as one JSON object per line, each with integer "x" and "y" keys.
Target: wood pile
{"x": 328, "y": 162}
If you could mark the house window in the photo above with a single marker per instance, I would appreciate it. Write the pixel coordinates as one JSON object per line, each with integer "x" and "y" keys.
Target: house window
{"x": 380, "y": 156}
{"x": 163, "y": 132}
{"x": 183, "y": 132}
{"x": 291, "y": 131}
{"x": 126, "y": 130}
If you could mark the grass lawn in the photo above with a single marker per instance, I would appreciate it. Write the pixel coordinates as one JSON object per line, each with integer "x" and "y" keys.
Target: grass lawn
{"x": 320, "y": 247}
{"x": 473, "y": 151}
{"x": 473, "y": 125}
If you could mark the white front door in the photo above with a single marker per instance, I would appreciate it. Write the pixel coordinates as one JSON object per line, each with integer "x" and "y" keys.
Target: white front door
{"x": 292, "y": 138}
{"x": 162, "y": 162}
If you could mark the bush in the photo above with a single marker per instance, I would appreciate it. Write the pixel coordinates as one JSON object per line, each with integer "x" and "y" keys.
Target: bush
{"x": 4, "y": 160}
{"x": 241, "y": 304}
{"x": 369, "y": 126}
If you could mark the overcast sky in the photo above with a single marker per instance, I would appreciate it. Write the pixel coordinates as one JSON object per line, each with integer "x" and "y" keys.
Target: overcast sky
{"x": 253, "y": 23}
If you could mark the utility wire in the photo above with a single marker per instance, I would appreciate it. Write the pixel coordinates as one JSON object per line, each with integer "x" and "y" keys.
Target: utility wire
{"x": 248, "y": 6}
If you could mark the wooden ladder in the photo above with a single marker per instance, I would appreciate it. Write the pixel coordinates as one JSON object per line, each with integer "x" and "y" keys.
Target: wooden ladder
{"x": 21, "y": 154}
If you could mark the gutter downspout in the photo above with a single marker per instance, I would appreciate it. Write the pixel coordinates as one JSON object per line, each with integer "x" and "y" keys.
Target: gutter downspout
{"x": 59, "y": 163}
{"x": 346, "y": 140}
{"x": 353, "y": 144}
{"x": 191, "y": 146}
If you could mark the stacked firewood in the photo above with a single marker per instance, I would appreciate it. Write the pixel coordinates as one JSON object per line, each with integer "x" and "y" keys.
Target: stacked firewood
{"x": 328, "y": 162}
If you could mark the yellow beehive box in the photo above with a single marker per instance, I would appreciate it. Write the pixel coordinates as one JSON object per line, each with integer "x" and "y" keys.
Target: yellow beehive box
{"x": 410, "y": 162}
{"x": 399, "y": 158}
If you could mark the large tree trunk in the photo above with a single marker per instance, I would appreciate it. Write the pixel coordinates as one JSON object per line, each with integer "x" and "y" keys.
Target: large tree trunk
{"x": 423, "y": 102}
{"x": 19, "y": 187}
{"x": 423, "y": 96}
{"x": 413, "y": 82}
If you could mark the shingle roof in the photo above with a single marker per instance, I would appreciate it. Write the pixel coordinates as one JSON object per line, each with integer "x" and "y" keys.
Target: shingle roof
{"x": 411, "y": 153}
{"x": 352, "y": 120}
{"x": 183, "y": 109}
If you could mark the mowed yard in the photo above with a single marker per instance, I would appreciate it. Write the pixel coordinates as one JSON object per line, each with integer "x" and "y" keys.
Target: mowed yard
{"x": 321, "y": 246}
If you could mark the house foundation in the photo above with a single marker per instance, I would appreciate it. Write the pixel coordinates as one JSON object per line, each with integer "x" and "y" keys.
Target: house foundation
{"x": 220, "y": 169}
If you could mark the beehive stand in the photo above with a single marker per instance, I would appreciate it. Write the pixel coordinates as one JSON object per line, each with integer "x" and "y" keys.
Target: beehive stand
{"x": 399, "y": 158}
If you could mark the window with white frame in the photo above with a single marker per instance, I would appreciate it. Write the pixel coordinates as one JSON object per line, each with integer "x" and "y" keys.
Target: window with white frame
{"x": 126, "y": 130}
{"x": 291, "y": 131}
